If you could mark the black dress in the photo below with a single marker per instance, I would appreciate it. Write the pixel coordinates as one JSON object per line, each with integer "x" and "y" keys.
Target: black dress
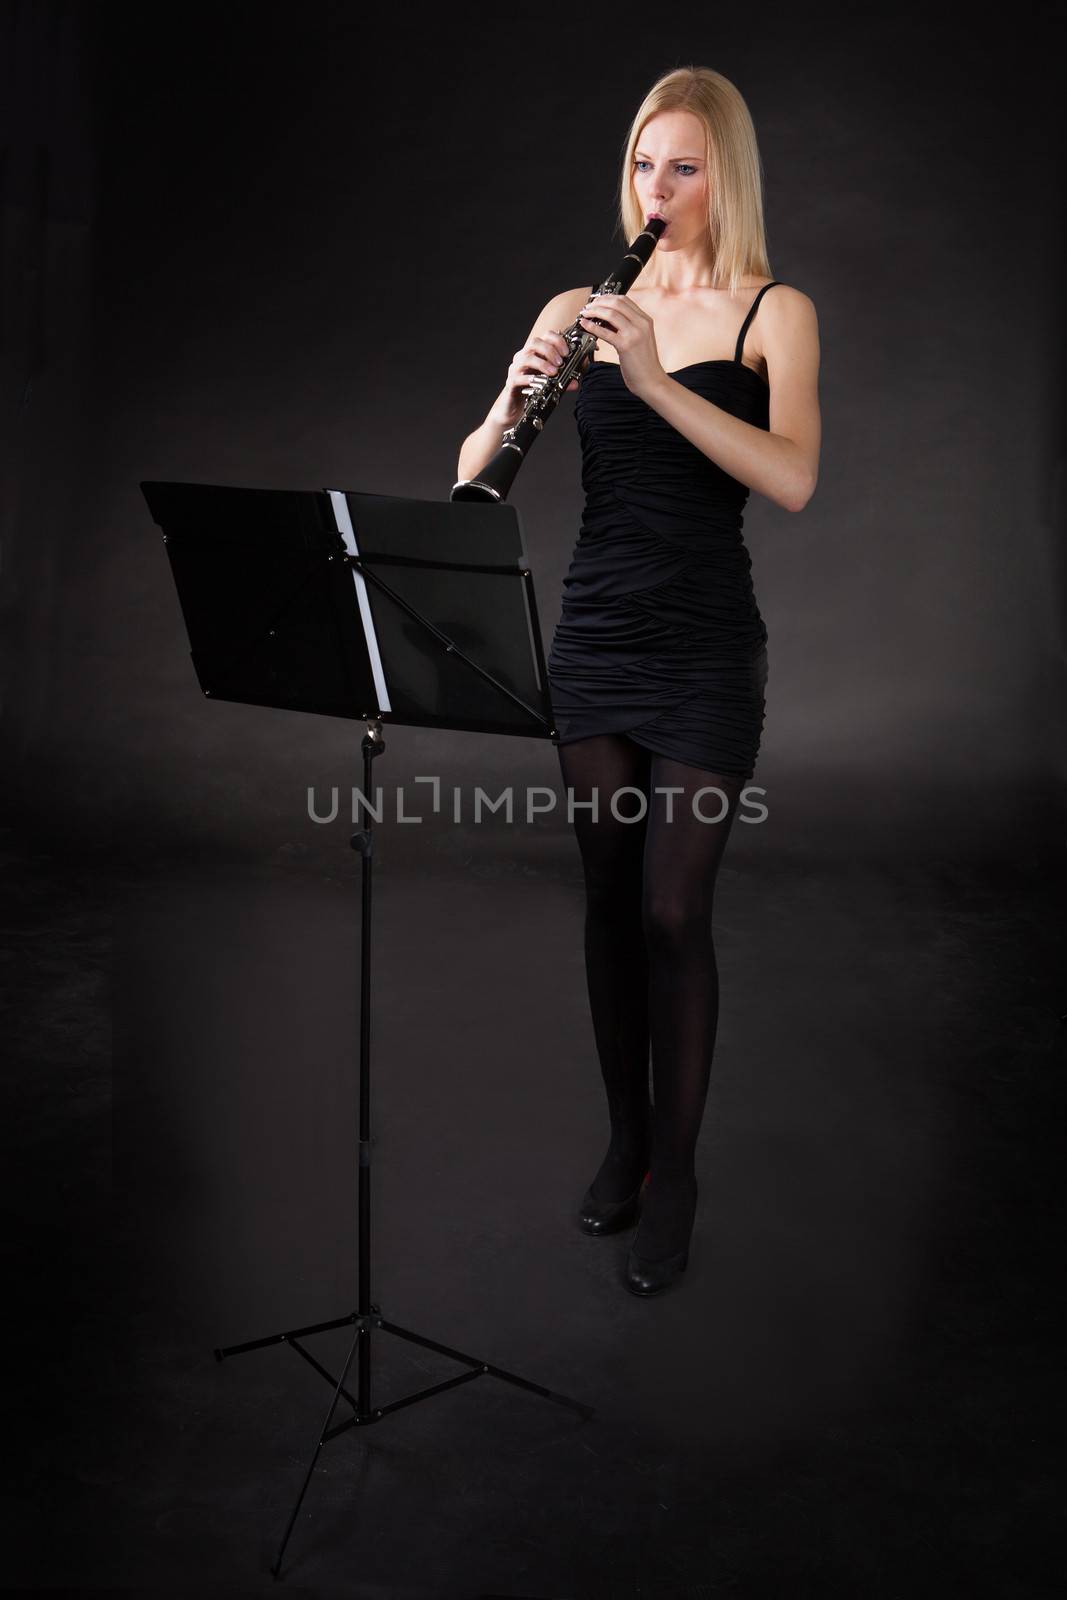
{"x": 660, "y": 636}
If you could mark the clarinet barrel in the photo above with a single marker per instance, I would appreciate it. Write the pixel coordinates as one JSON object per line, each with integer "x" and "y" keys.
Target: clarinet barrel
{"x": 497, "y": 476}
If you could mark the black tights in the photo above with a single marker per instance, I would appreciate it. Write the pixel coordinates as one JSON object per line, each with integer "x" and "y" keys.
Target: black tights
{"x": 650, "y": 962}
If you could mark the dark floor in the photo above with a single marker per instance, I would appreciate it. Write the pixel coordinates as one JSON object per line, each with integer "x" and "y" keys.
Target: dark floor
{"x": 853, "y": 1393}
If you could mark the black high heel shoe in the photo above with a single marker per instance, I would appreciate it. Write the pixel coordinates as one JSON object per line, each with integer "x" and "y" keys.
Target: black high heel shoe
{"x": 645, "y": 1276}
{"x": 604, "y": 1216}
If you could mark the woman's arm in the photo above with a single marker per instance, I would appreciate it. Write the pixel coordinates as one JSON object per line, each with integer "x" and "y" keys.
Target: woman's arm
{"x": 479, "y": 447}
{"x": 782, "y": 463}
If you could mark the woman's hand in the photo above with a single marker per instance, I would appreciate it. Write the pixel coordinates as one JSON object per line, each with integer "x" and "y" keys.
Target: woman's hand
{"x": 543, "y": 355}
{"x": 632, "y": 332}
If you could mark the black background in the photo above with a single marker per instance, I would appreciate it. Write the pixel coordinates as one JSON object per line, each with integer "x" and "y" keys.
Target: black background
{"x": 294, "y": 246}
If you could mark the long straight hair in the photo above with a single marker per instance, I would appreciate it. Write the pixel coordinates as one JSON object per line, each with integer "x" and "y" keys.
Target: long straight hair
{"x": 736, "y": 236}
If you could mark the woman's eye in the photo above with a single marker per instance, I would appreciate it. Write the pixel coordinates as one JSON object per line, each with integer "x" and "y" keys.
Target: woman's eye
{"x": 687, "y": 166}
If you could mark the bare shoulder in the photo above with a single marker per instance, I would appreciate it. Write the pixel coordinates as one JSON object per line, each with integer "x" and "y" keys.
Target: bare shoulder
{"x": 786, "y": 293}
{"x": 788, "y": 319}
{"x": 561, "y": 310}
{"x": 574, "y": 299}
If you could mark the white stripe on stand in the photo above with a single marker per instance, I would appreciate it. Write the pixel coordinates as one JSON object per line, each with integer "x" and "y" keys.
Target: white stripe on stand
{"x": 343, "y": 519}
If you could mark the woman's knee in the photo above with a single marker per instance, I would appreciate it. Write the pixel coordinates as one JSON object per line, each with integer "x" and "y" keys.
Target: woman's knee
{"x": 674, "y": 922}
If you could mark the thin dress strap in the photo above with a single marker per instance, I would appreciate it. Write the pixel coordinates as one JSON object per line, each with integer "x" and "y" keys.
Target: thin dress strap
{"x": 751, "y": 313}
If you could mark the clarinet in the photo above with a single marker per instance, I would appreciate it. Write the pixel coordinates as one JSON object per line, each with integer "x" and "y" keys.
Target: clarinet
{"x": 545, "y": 392}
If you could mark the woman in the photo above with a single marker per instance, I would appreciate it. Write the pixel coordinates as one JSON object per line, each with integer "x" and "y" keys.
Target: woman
{"x": 658, "y": 663}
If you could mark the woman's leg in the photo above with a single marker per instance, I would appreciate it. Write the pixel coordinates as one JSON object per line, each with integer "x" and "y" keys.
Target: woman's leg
{"x": 615, "y": 959}
{"x": 682, "y": 856}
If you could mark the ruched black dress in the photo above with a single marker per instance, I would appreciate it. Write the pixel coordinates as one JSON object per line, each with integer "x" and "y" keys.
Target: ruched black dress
{"x": 659, "y": 635}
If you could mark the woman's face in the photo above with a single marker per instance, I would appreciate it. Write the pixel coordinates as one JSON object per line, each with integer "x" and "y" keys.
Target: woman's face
{"x": 670, "y": 176}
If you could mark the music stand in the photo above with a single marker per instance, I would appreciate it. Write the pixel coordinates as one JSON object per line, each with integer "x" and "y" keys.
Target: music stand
{"x": 381, "y": 609}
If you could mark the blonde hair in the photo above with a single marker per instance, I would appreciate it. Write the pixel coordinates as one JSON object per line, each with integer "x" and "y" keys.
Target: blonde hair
{"x": 736, "y": 238}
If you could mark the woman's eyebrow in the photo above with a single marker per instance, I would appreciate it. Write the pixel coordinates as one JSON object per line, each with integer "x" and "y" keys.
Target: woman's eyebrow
{"x": 669, "y": 158}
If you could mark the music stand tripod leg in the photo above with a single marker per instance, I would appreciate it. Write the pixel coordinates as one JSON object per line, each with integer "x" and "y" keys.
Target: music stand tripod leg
{"x": 357, "y": 1340}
